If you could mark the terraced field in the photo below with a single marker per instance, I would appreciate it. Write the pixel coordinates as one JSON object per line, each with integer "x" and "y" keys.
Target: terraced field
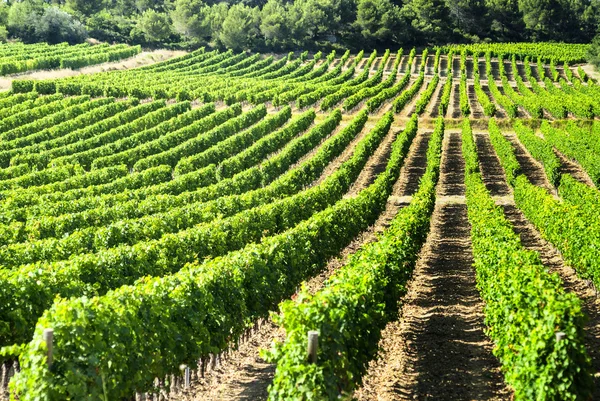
{"x": 432, "y": 215}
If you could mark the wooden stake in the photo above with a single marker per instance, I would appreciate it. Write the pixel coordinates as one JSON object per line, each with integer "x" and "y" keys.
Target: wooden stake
{"x": 4, "y": 376}
{"x": 186, "y": 377}
{"x": 48, "y": 337}
{"x": 560, "y": 336}
{"x": 313, "y": 346}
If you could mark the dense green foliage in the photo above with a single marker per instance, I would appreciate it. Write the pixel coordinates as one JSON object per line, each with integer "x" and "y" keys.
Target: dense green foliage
{"x": 361, "y": 297}
{"x": 231, "y": 290}
{"x": 283, "y": 25}
{"x": 525, "y": 306}
{"x": 165, "y": 209}
{"x": 16, "y": 58}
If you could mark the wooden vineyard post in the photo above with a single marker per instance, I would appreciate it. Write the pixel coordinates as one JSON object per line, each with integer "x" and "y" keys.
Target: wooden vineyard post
{"x": 560, "y": 336}
{"x": 313, "y": 346}
{"x": 48, "y": 337}
{"x": 187, "y": 375}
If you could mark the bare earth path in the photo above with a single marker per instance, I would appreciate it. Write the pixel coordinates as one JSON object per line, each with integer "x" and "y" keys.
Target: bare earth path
{"x": 568, "y": 166}
{"x": 438, "y": 349}
{"x": 491, "y": 171}
{"x": 530, "y": 167}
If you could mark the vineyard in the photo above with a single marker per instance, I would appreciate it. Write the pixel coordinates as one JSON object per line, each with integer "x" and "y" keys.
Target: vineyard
{"x": 17, "y": 58}
{"x": 221, "y": 225}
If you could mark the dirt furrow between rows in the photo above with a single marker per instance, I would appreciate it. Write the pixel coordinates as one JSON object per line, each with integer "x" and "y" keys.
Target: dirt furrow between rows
{"x": 500, "y": 112}
{"x": 406, "y": 185}
{"x": 531, "y": 168}
{"x": 491, "y": 170}
{"x": 433, "y": 110}
{"x": 438, "y": 349}
{"x": 476, "y": 109}
{"x": 409, "y": 108}
{"x": 568, "y": 166}
{"x": 388, "y": 104}
{"x": 481, "y": 65}
{"x": 454, "y": 109}
{"x": 375, "y": 165}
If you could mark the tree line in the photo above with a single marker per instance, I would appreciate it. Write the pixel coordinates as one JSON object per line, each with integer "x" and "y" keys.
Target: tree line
{"x": 281, "y": 25}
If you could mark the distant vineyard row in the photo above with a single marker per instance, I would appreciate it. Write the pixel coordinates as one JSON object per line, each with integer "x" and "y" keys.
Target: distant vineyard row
{"x": 17, "y": 58}
{"x": 230, "y": 77}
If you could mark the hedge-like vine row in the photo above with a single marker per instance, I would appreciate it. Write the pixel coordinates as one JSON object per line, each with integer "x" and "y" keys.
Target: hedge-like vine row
{"x": 376, "y": 275}
{"x": 171, "y": 252}
{"x": 523, "y": 328}
{"x": 238, "y": 280}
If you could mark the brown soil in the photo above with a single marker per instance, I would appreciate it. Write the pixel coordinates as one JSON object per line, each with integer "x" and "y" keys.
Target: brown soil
{"x": 361, "y": 64}
{"x": 402, "y": 66}
{"x": 438, "y": 349}
{"x": 509, "y": 71}
{"x": 388, "y": 104}
{"x": 476, "y": 109}
{"x": 562, "y": 74}
{"x": 495, "y": 70}
{"x": 349, "y": 62}
{"x": 406, "y": 185}
{"x": 345, "y": 155}
{"x": 414, "y": 167}
{"x": 375, "y": 65}
{"x": 409, "y": 108}
{"x": 491, "y": 170}
{"x": 390, "y": 64}
{"x": 469, "y": 66}
{"x": 234, "y": 377}
{"x": 416, "y": 64}
{"x": 443, "y": 66}
{"x": 429, "y": 65}
{"x": 521, "y": 71}
{"x": 535, "y": 72}
{"x": 481, "y": 66}
{"x": 375, "y": 165}
{"x": 572, "y": 168}
{"x": 455, "y": 101}
{"x": 434, "y": 106}
{"x": 456, "y": 67}
{"x": 314, "y": 150}
{"x": 533, "y": 170}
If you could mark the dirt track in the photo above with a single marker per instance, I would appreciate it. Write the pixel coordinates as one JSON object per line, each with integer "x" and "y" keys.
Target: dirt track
{"x": 438, "y": 349}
